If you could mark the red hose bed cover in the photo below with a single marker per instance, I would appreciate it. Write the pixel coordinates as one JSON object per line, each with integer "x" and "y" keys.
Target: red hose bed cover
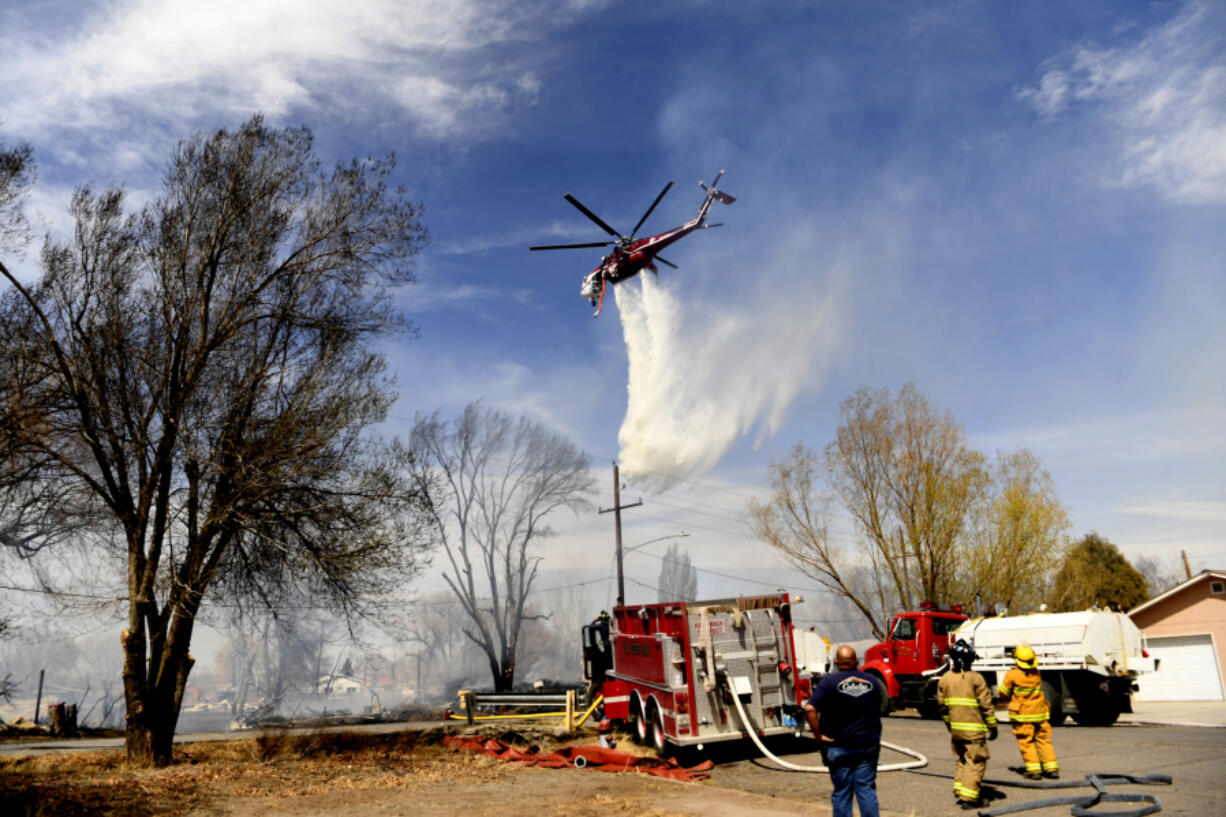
{"x": 595, "y": 757}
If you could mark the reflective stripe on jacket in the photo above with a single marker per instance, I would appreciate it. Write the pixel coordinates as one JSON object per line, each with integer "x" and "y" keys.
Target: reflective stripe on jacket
{"x": 1027, "y": 704}
{"x": 966, "y": 705}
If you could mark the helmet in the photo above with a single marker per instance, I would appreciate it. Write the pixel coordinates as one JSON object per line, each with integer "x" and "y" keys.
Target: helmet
{"x": 961, "y": 655}
{"x": 1024, "y": 656}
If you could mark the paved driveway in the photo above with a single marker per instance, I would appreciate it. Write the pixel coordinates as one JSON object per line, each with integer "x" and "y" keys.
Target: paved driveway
{"x": 1178, "y": 713}
{"x": 1192, "y": 756}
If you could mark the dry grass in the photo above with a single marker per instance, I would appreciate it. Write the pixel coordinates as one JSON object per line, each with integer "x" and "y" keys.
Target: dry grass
{"x": 270, "y": 765}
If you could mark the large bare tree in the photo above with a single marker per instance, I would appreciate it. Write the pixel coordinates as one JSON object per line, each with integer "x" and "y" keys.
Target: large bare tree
{"x": 198, "y": 382}
{"x": 19, "y": 520}
{"x": 17, "y": 173}
{"x": 933, "y": 521}
{"x": 493, "y": 479}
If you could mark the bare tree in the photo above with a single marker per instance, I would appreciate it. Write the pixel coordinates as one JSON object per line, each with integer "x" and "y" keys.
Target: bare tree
{"x": 8, "y": 687}
{"x": 794, "y": 522}
{"x": 99, "y": 666}
{"x": 570, "y": 607}
{"x": 17, "y": 174}
{"x": 1160, "y": 574}
{"x": 198, "y": 381}
{"x": 907, "y": 476}
{"x": 934, "y": 521}
{"x": 678, "y": 579}
{"x": 1013, "y": 555}
{"x": 493, "y": 479}
{"x": 442, "y": 651}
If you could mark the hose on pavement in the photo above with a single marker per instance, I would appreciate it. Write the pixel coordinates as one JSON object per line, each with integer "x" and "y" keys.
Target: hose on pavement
{"x": 1082, "y": 804}
{"x": 752, "y": 731}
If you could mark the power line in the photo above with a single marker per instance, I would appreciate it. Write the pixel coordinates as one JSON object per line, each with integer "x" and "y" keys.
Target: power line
{"x": 773, "y": 585}
{"x": 689, "y": 524}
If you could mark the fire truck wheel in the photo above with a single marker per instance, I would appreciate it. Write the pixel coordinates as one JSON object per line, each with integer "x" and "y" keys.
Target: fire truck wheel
{"x": 640, "y": 723}
{"x": 885, "y": 703}
{"x": 658, "y": 742}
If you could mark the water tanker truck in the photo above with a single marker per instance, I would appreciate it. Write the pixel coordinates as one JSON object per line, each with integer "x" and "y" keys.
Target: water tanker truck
{"x": 1090, "y": 660}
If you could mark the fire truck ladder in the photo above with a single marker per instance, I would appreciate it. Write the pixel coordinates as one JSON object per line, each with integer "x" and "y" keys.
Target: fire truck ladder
{"x": 765, "y": 658}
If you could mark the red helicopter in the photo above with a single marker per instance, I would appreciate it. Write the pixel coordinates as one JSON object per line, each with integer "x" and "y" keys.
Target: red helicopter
{"x": 631, "y": 255}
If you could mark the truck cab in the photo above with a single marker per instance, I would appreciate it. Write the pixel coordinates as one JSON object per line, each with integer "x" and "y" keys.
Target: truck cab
{"x": 918, "y": 642}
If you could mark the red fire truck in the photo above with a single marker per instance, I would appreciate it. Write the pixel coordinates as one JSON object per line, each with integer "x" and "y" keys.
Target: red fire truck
{"x": 918, "y": 643}
{"x": 670, "y": 671}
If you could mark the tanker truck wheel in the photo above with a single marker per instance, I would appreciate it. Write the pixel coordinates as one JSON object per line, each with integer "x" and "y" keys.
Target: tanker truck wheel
{"x": 1097, "y": 713}
{"x": 1055, "y": 703}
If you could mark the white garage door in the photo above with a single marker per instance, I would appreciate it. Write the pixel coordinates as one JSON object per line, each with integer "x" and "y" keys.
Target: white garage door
{"x": 1187, "y": 670}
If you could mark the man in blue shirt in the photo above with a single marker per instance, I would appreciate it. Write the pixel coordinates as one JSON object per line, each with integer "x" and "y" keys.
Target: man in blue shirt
{"x": 844, "y": 713}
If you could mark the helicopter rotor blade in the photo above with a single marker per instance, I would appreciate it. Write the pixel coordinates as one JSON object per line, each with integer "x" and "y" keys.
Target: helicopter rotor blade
{"x": 571, "y": 246}
{"x": 666, "y": 262}
{"x": 649, "y": 209}
{"x": 592, "y": 216}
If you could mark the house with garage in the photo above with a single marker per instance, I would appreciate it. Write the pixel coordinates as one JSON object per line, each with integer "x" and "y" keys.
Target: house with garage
{"x": 1185, "y": 629}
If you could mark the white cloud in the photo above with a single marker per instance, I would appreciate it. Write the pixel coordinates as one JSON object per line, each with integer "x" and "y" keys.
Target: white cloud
{"x": 1131, "y": 439}
{"x": 145, "y": 61}
{"x": 426, "y": 296}
{"x": 1183, "y": 510}
{"x": 1159, "y": 102}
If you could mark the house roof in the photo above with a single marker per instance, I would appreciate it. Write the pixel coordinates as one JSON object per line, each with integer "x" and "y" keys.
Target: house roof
{"x": 1179, "y": 588}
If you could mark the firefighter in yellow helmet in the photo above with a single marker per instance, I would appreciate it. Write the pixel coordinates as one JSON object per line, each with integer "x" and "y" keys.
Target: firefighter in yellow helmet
{"x": 966, "y": 705}
{"x": 1022, "y": 690}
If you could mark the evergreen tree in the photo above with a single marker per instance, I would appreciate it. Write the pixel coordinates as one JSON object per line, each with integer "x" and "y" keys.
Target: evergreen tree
{"x": 1095, "y": 572}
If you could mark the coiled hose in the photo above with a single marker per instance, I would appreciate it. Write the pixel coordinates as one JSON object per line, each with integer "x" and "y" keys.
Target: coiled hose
{"x": 752, "y": 731}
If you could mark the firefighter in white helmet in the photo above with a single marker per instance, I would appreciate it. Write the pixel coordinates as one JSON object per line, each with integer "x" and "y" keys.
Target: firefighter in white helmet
{"x": 1022, "y": 690}
{"x": 966, "y": 705}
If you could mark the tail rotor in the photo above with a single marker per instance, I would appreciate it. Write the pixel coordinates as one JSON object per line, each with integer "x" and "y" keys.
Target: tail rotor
{"x": 717, "y": 195}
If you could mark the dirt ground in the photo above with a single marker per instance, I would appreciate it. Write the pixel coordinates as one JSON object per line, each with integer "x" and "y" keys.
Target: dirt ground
{"x": 347, "y": 775}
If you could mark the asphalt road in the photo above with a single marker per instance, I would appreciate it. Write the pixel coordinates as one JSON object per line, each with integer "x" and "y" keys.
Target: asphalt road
{"x": 1192, "y": 756}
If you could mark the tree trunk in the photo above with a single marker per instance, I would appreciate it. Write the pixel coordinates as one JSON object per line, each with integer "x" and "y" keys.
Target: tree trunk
{"x": 153, "y": 710}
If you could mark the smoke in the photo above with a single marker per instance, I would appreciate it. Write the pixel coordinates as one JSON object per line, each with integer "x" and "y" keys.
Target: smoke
{"x": 702, "y": 375}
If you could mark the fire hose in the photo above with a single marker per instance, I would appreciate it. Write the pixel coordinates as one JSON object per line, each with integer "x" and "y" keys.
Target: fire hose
{"x": 1083, "y": 803}
{"x": 752, "y": 731}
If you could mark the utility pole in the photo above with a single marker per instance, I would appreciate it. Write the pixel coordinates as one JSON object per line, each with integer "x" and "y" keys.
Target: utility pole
{"x": 1187, "y": 569}
{"x": 617, "y": 522}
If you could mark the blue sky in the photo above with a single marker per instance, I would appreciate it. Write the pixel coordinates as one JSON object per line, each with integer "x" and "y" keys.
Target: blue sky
{"x": 1019, "y": 207}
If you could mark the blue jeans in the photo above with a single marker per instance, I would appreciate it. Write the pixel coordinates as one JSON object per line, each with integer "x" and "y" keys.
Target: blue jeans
{"x": 853, "y": 770}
